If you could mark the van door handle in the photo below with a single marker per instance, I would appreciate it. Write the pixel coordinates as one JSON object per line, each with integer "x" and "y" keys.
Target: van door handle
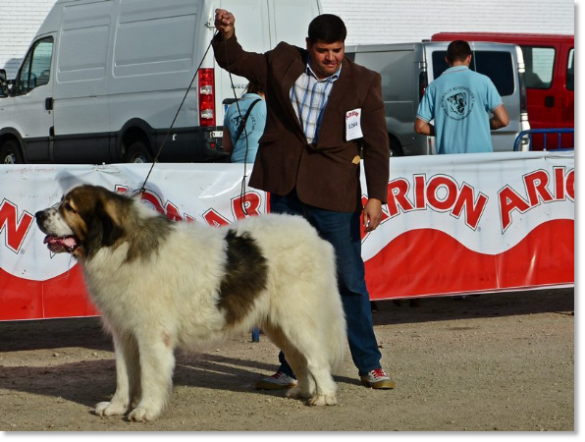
{"x": 549, "y": 101}
{"x": 49, "y": 103}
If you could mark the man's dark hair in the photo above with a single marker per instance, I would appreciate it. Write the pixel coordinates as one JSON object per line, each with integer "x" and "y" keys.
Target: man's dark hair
{"x": 458, "y": 50}
{"x": 254, "y": 88}
{"x": 328, "y": 28}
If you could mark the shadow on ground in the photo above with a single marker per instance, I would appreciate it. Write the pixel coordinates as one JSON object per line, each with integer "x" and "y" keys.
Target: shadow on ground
{"x": 482, "y": 306}
{"x": 90, "y": 382}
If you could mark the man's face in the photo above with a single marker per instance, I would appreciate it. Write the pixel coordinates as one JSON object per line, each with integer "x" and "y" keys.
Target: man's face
{"x": 325, "y": 57}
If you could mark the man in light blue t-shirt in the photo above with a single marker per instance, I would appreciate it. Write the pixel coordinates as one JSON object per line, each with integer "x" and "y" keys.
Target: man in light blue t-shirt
{"x": 460, "y": 101}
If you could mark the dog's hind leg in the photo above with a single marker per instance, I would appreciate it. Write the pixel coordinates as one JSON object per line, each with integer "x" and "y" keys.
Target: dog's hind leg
{"x": 157, "y": 362}
{"x": 306, "y": 387}
{"x": 326, "y": 393}
{"x": 307, "y": 357}
{"x": 322, "y": 389}
{"x": 307, "y": 351}
{"x": 127, "y": 377}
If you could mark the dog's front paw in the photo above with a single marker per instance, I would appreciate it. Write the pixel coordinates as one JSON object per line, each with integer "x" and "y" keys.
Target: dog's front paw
{"x": 110, "y": 409}
{"x": 143, "y": 414}
{"x": 297, "y": 393}
{"x": 322, "y": 399}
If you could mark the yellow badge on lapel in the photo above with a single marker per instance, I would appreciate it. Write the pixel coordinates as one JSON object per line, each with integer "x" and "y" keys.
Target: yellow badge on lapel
{"x": 356, "y": 159}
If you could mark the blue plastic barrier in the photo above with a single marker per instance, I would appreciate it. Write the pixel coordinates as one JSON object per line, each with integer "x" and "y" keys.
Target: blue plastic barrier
{"x": 545, "y": 132}
{"x": 255, "y": 334}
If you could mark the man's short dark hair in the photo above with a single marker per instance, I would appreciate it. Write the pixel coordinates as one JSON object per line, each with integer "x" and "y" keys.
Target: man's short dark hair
{"x": 458, "y": 50}
{"x": 328, "y": 28}
{"x": 254, "y": 88}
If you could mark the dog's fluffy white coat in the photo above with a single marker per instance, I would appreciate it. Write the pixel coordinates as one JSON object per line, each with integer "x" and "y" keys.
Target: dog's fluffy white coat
{"x": 168, "y": 299}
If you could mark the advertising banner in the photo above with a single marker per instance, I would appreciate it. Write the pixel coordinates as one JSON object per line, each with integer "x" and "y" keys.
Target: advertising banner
{"x": 454, "y": 224}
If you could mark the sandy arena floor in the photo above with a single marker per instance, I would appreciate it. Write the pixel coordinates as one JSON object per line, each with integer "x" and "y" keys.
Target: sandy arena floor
{"x": 493, "y": 362}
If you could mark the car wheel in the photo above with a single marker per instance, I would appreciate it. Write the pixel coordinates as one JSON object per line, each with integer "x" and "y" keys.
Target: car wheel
{"x": 395, "y": 147}
{"x": 138, "y": 153}
{"x": 10, "y": 153}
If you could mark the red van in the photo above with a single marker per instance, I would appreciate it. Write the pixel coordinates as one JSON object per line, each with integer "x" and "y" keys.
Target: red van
{"x": 550, "y": 78}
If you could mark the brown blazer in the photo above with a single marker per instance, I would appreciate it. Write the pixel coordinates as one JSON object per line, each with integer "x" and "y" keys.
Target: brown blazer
{"x": 325, "y": 175}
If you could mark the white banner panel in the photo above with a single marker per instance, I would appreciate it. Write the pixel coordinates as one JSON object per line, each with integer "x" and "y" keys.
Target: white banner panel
{"x": 453, "y": 224}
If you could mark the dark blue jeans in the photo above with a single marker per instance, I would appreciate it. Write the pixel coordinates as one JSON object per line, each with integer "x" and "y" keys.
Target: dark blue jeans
{"x": 342, "y": 230}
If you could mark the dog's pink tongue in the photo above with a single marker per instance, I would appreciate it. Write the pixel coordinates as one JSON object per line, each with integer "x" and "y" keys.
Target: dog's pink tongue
{"x": 67, "y": 242}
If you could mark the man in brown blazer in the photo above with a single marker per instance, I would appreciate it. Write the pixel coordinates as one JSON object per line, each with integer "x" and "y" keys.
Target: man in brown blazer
{"x": 324, "y": 112}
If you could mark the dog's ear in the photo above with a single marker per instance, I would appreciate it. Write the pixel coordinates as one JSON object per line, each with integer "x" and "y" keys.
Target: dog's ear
{"x": 102, "y": 229}
{"x": 111, "y": 230}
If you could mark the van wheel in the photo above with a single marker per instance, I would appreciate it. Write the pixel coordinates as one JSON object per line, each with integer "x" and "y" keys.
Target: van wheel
{"x": 10, "y": 153}
{"x": 137, "y": 153}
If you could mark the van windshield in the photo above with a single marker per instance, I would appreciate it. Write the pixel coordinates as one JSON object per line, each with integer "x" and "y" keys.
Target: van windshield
{"x": 495, "y": 64}
{"x": 36, "y": 68}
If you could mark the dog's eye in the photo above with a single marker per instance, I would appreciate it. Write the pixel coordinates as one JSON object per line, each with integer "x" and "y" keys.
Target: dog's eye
{"x": 69, "y": 207}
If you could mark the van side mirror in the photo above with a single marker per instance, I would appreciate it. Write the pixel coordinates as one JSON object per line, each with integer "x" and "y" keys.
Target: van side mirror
{"x": 3, "y": 83}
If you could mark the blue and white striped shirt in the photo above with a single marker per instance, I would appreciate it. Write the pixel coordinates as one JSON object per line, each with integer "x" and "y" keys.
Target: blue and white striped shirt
{"x": 309, "y": 97}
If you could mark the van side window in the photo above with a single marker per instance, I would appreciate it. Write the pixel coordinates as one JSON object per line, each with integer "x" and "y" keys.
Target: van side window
{"x": 539, "y": 64}
{"x": 571, "y": 71}
{"x": 495, "y": 64}
{"x": 36, "y": 68}
{"x": 396, "y": 82}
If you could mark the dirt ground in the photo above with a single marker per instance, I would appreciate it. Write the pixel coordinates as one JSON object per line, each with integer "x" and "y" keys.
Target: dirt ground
{"x": 494, "y": 362}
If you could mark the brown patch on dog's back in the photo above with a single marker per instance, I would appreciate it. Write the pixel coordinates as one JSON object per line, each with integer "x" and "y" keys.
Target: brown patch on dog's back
{"x": 246, "y": 276}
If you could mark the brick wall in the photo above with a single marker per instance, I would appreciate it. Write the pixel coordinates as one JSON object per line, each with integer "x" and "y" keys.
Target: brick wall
{"x": 368, "y": 21}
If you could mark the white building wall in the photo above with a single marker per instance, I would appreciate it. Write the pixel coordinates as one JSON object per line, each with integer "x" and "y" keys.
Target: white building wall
{"x": 371, "y": 21}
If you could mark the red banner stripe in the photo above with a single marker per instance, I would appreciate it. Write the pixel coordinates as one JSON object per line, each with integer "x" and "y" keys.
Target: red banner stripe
{"x": 430, "y": 262}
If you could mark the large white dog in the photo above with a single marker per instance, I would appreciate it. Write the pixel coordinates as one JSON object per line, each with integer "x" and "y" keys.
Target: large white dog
{"x": 161, "y": 285}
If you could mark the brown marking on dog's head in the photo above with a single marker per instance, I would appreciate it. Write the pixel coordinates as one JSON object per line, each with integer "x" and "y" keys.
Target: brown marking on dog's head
{"x": 92, "y": 217}
{"x": 95, "y": 215}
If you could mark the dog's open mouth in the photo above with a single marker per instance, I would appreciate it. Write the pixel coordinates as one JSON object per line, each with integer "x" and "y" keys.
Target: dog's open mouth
{"x": 60, "y": 244}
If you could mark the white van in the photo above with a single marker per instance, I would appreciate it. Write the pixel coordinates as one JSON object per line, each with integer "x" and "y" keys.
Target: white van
{"x": 103, "y": 79}
{"x": 407, "y": 69}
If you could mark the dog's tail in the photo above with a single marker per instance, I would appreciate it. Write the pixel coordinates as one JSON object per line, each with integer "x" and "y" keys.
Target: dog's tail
{"x": 337, "y": 339}
{"x": 335, "y": 324}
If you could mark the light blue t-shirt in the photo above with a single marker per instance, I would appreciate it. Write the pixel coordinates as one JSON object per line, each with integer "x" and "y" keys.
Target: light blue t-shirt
{"x": 459, "y": 102}
{"x": 254, "y": 126}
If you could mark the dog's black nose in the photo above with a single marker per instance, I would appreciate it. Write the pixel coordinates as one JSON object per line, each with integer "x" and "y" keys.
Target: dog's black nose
{"x": 41, "y": 215}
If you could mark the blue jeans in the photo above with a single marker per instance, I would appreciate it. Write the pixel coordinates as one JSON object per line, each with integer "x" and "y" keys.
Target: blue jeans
{"x": 342, "y": 230}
